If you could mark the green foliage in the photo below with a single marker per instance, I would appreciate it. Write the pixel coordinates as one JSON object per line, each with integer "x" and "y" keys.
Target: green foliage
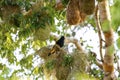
{"x": 91, "y": 57}
{"x": 67, "y": 60}
{"x": 50, "y": 64}
{"x": 65, "y": 2}
{"x": 97, "y": 73}
{"x": 16, "y": 19}
{"x": 23, "y": 3}
{"x": 94, "y": 71}
{"x": 5, "y": 72}
{"x": 38, "y": 71}
{"x": 41, "y": 18}
{"x": 52, "y": 61}
{"x": 83, "y": 76}
{"x": 118, "y": 33}
{"x": 2, "y": 78}
{"x": 1, "y": 66}
{"x": 14, "y": 77}
{"x": 118, "y": 42}
{"x": 106, "y": 26}
{"x": 118, "y": 78}
{"x": 26, "y": 62}
{"x": 8, "y": 2}
{"x": 115, "y": 14}
{"x": 91, "y": 20}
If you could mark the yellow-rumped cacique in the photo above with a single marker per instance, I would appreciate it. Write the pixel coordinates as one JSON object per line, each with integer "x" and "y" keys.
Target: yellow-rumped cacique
{"x": 59, "y": 43}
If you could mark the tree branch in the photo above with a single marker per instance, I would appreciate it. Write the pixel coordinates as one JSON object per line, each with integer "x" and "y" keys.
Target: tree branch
{"x": 105, "y": 20}
{"x": 99, "y": 65}
{"x": 118, "y": 66}
{"x": 99, "y": 31}
{"x": 96, "y": 60}
{"x": 74, "y": 41}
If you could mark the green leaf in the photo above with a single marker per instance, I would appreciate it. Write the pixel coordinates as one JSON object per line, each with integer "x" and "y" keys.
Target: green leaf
{"x": 106, "y": 26}
{"x": 6, "y": 70}
{"x": 115, "y": 14}
{"x": 35, "y": 71}
{"x": 1, "y": 66}
{"x": 50, "y": 64}
{"x": 118, "y": 42}
{"x": 14, "y": 77}
{"x": 67, "y": 60}
{"x": 1, "y": 77}
{"x": 27, "y": 62}
{"x": 118, "y": 33}
{"x": 65, "y": 2}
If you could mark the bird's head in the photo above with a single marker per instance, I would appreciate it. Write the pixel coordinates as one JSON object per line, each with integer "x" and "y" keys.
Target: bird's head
{"x": 62, "y": 37}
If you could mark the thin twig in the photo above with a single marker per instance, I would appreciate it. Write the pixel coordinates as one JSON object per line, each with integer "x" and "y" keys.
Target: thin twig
{"x": 74, "y": 41}
{"x": 97, "y": 61}
{"x": 99, "y": 31}
{"x": 118, "y": 66}
{"x": 99, "y": 65}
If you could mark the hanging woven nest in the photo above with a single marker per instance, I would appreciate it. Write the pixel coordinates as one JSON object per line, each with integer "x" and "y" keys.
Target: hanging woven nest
{"x": 73, "y": 13}
{"x": 80, "y": 61}
{"x": 44, "y": 51}
{"x": 79, "y": 64}
{"x": 55, "y": 64}
{"x": 87, "y": 6}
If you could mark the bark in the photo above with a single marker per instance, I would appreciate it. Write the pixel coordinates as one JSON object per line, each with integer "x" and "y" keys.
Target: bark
{"x": 105, "y": 20}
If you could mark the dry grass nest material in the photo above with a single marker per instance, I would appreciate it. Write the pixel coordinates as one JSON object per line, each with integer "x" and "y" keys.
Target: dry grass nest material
{"x": 55, "y": 62}
{"x": 77, "y": 10}
{"x": 42, "y": 34}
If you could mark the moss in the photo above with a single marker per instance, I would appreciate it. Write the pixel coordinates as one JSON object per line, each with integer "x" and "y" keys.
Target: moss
{"x": 80, "y": 61}
{"x": 42, "y": 34}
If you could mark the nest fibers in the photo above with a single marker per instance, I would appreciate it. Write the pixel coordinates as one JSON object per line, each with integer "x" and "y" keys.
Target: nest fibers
{"x": 42, "y": 34}
{"x": 79, "y": 64}
{"x": 87, "y": 6}
{"x": 73, "y": 13}
{"x": 80, "y": 61}
{"x": 54, "y": 65}
{"x": 77, "y": 10}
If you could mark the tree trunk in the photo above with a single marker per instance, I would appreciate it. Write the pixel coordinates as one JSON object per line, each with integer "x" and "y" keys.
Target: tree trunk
{"x": 105, "y": 19}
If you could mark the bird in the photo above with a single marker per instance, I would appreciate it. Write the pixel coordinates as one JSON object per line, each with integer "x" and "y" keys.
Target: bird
{"x": 59, "y": 43}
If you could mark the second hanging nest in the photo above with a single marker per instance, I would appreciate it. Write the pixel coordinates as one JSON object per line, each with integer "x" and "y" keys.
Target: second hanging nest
{"x": 77, "y": 10}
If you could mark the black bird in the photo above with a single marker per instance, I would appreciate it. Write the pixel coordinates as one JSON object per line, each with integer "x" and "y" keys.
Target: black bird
{"x": 59, "y": 43}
